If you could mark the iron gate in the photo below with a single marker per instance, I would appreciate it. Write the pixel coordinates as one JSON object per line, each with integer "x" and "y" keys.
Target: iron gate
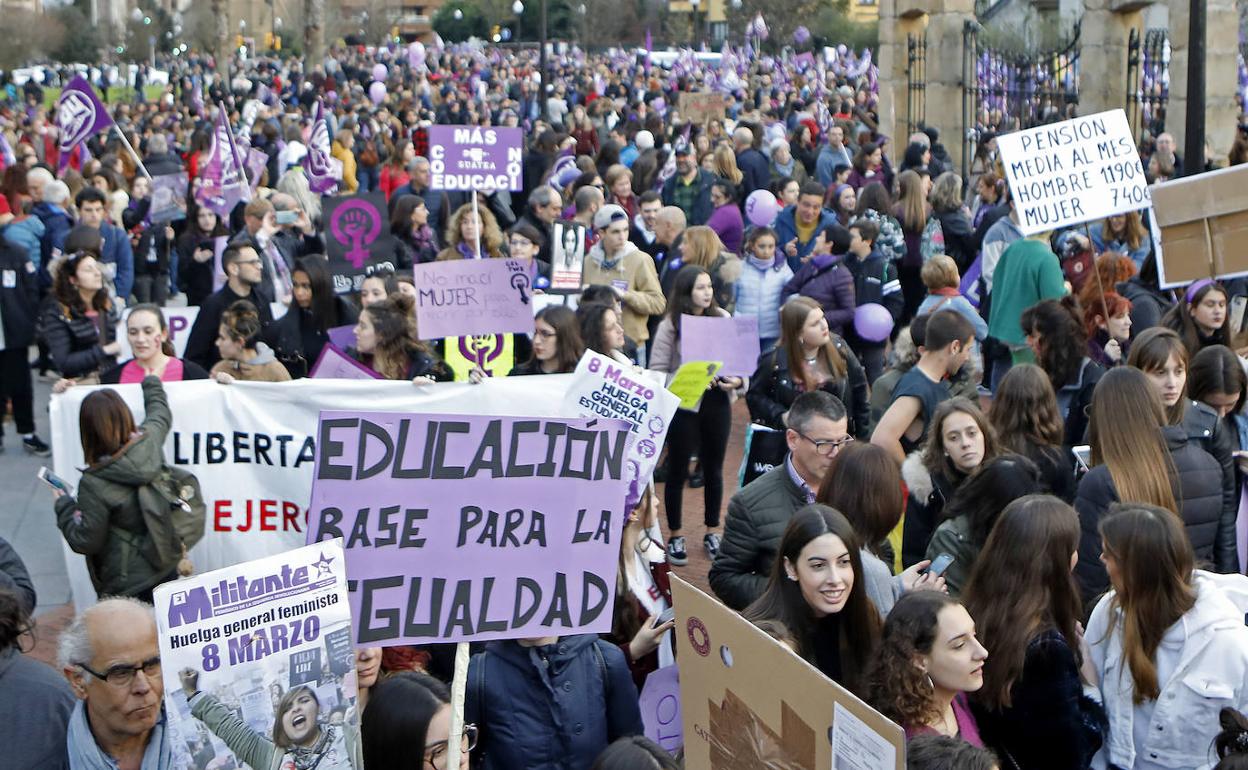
{"x": 916, "y": 82}
{"x": 1006, "y": 91}
{"x": 1148, "y": 81}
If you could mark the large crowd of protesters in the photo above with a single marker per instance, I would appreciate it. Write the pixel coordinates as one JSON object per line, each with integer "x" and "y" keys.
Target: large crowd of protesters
{"x": 1005, "y": 513}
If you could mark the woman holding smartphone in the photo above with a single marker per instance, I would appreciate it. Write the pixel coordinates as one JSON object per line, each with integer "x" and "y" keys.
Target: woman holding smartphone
{"x": 705, "y": 430}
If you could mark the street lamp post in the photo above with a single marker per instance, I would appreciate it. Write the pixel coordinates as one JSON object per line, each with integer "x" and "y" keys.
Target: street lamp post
{"x": 695, "y": 33}
{"x": 584, "y": 30}
{"x": 518, "y": 9}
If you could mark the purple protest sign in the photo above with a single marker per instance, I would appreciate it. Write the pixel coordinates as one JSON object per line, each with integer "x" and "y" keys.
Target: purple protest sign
{"x": 168, "y": 198}
{"x": 79, "y": 114}
{"x": 462, "y": 528}
{"x": 467, "y": 297}
{"x": 333, "y": 364}
{"x": 660, "y": 708}
{"x": 733, "y": 341}
{"x": 474, "y": 158}
{"x": 342, "y": 336}
{"x": 357, "y": 238}
{"x": 256, "y": 162}
{"x": 317, "y": 164}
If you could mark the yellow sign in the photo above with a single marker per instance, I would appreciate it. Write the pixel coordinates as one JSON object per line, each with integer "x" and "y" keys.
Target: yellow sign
{"x": 691, "y": 381}
{"x": 495, "y": 353}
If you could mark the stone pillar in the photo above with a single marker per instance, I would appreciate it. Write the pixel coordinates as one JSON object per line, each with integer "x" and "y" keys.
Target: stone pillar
{"x": 1221, "y": 77}
{"x": 943, "y": 21}
{"x": 1103, "y": 40}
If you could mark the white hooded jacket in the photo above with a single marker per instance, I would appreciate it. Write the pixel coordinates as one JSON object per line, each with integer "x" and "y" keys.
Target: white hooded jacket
{"x": 1212, "y": 672}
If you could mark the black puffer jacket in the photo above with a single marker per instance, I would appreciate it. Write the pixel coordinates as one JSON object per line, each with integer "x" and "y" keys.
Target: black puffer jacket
{"x": 76, "y": 345}
{"x": 757, "y": 516}
{"x": 772, "y": 390}
{"x": 1205, "y": 429}
{"x": 929, "y": 492}
{"x": 1198, "y": 493}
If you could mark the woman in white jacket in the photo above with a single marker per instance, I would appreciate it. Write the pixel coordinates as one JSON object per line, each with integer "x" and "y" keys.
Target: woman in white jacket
{"x": 1167, "y": 647}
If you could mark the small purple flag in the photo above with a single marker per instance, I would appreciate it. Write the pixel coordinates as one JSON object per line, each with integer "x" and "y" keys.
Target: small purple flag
{"x": 197, "y": 97}
{"x": 224, "y": 180}
{"x": 6, "y": 151}
{"x": 317, "y": 164}
{"x": 80, "y": 115}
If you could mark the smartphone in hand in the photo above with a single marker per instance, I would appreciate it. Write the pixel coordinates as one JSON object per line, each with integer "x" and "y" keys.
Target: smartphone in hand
{"x": 54, "y": 481}
{"x": 939, "y": 565}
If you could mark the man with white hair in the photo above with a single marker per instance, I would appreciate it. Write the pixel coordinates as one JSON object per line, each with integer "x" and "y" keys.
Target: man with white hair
{"x": 111, "y": 658}
{"x": 755, "y": 170}
{"x": 36, "y": 178}
{"x": 53, "y": 211}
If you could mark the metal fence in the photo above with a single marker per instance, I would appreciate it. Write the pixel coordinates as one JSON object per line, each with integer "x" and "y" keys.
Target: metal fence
{"x": 1148, "y": 81}
{"x": 1008, "y": 90}
{"x": 916, "y": 82}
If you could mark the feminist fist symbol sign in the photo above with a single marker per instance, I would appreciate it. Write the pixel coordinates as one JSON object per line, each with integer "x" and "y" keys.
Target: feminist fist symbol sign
{"x": 355, "y": 224}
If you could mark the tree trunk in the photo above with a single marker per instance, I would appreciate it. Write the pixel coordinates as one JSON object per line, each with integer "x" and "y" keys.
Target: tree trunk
{"x": 221, "y": 41}
{"x": 313, "y": 33}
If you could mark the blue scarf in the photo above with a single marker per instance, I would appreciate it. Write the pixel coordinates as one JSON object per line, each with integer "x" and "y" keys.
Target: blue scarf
{"x": 86, "y": 754}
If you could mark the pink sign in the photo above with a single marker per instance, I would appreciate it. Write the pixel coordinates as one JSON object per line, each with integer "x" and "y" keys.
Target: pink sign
{"x": 333, "y": 364}
{"x": 471, "y": 297}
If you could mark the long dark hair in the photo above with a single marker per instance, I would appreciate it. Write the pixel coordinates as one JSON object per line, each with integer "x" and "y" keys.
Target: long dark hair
{"x": 1217, "y": 369}
{"x": 1180, "y": 318}
{"x": 1021, "y": 586}
{"x": 66, "y": 291}
{"x": 680, "y": 301}
{"x": 1155, "y": 562}
{"x": 324, "y": 302}
{"x": 568, "y": 344}
{"x": 781, "y": 610}
{"x": 895, "y": 686}
{"x": 396, "y": 723}
{"x": 593, "y": 326}
{"x": 393, "y": 322}
{"x": 1063, "y": 344}
{"x": 865, "y": 482}
{"x": 1151, "y": 352}
{"x": 1025, "y": 411}
{"x": 996, "y": 484}
{"x": 401, "y": 217}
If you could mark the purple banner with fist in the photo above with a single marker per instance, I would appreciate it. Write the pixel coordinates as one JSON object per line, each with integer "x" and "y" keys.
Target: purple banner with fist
{"x": 463, "y": 528}
{"x": 357, "y": 238}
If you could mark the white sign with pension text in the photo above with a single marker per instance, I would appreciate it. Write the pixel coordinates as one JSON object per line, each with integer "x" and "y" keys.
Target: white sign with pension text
{"x": 1076, "y": 171}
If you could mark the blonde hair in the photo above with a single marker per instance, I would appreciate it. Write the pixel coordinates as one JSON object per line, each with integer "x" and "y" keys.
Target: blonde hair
{"x": 491, "y": 235}
{"x": 726, "y": 164}
{"x": 940, "y": 272}
{"x": 702, "y": 246}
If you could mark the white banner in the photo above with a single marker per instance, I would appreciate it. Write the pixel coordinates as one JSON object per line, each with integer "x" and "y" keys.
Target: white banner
{"x": 1075, "y": 171}
{"x": 251, "y": 445}
{"x": 248, "y": 637}
{"x": 179, "y": 319}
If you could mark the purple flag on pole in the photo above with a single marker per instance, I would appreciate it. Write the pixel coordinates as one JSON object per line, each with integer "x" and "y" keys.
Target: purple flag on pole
{"x": 6, "y": 150}
{"x": 317, "y": 163}
{"x": 197, "y": 98}
{"x": 80, "y": 114}
{"x": 224, "y": 182}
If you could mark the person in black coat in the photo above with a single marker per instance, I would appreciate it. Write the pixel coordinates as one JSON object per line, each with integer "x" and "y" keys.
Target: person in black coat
{"x": 955, "y": 221}
{"x": 195, "y": 254}
{"x": 242, "y": 277}
{"x": 151, "y": 244}
{"x": 298, "y": 337}
{"x": 823, "y": 357}
{"x": 19, "y": 310}
{"x": 79, "y": 319}
{"x": 1131, "y": 441}
{"x": 1032, "y": 707}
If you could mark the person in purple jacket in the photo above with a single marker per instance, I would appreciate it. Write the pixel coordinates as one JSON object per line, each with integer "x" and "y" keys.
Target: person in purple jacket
{"x": 726, "y": 218}
{"x": 825, "y": 278}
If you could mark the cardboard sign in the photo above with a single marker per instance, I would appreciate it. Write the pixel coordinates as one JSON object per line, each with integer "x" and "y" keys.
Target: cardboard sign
{"x": 603, "y": 387}
{"x": 334, "y": 364}
{"x": 462, "y": 528}
{"x": 467, "y": 297}
{"x": 357, "y": 238}
{"x": 251, "y": 633}
{"x": 178, "y": 319}
{"x": 168, "y": 198}
{"x": 475, "y": 158}
{"x": 1075, "y": 171}
{"x": 567, "y": 256}
{"x": 1204, "y": 223}
{"x": 747, "y": 701}
{"x": 732, "y": 341}
{"x": 702, "y": 106}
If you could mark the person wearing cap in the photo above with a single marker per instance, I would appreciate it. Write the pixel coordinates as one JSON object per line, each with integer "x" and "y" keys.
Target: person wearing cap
{"x": 689, "y": 189}
{"x": 614, "y": 261}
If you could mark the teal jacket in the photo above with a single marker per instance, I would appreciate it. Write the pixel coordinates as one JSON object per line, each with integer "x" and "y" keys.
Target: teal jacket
{"x": 1027, "y": 273}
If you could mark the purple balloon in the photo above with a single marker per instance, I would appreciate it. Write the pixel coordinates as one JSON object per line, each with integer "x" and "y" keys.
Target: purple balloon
{"x": 873, "y": 322}
{"x": 377, "y": 92}
{"x": 379, "y": 71}
{"x": 761, "y": 208}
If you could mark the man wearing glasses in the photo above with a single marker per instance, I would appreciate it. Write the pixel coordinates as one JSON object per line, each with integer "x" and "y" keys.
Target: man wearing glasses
{"x": 111, "y": 658}
{"x": 818, "y": 427}
{"x": 244, "y": 273}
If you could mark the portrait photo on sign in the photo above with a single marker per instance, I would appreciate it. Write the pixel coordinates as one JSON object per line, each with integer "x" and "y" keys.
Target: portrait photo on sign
{"x": 258, "y": 664}
{"x": 567, "y": 257}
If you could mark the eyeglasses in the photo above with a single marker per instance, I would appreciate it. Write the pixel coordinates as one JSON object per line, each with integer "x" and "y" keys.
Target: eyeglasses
{"x": 435, "y": 751}
{"x": 546, "y": 335}
{"x": 826, "y": 447}
{"x": 122, "y": 676}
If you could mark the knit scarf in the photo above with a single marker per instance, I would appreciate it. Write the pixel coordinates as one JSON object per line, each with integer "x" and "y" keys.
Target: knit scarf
{"x": 760, "y": 264}
{"x": 86, "y": 754}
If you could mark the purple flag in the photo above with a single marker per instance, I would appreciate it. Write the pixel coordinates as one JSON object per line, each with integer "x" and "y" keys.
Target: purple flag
{"x": 317, "y": 164}
{"x": 334, "y": 364}
{"x": 80, "y": 114}
{"x": 197, "y": 98}
{"x": 224, "y": 182}
{"x": 466, "y": 528}
{"x": 6, "y": 150}
{"x": 649, "y": 49}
